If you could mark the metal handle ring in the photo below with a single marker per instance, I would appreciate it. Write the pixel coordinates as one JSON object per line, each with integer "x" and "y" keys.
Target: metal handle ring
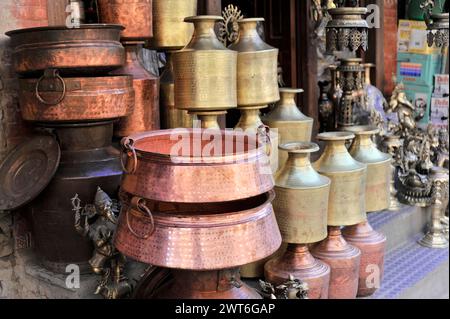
{"x": 38, "y": 94}
{"x": 129, "y": 151}
{"x": 138, "y": 203}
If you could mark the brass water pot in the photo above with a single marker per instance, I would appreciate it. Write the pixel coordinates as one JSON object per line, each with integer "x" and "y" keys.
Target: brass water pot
{"x": 169, "y": 29}
{"x": 291, "y": 123}
{"x": 257, "y": 67}
{"x": 205, "y": 71}
{"x": 348, "y": 180}
{"x": 378, "y": 179}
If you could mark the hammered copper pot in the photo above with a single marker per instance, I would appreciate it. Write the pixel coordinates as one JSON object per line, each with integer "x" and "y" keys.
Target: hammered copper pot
{"x": 87, "y": 161}
{"x": 145, "y": 115}
{"x": 198, "y": 237}
{"x": 344, "y": 261}
{"x": 91, "y": 49}
{"x": 135, "y": 15}
{"x": 53, "y": 98}
{"x": 195, "y": 166}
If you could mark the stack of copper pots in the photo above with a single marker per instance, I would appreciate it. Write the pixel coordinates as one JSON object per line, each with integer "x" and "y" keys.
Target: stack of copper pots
{"x": 202, "y": 212}
{"x": 65, "y": 88}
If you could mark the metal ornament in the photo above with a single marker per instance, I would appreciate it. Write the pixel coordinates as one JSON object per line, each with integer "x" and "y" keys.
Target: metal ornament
{"x": 229, "y": 27}
{"x": 392, "y": 145}
{"x": 437, "y": 25}
{"x": 290, "y": 289}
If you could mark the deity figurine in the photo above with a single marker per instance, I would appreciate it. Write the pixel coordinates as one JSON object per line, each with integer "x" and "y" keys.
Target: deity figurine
{"x": 404, "y": 109}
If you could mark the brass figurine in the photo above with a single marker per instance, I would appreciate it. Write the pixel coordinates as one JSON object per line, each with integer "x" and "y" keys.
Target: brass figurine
{"x": 291, "y": 289}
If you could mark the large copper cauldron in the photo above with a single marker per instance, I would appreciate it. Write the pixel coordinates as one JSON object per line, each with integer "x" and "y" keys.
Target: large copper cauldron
{"x": 53, "y": 98}
{"x": 177, "y": 166}
{"x": 198, "y": 237}
{"x": 90, "y": 49}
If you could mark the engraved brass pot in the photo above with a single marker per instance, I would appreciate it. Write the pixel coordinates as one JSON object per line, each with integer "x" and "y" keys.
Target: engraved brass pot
{"x": 169, "y": 29}
{"x": 135, "y": 15}
{"x": 198, "y": 237}
{"x": 145, "y": 115}
{"x": 257, "y": 67}
{"x": 348, "y": 180}
{"x": 176, "y": 166}
{"x": 205, "y": 71}
{"x": 53, "y": 98}
{"x": 90, "y": 49}
{"x": 378, "y": 178}
{"x": 292, "y": 125}
{"x": 171, "y": 117}
{"x": 344, "y": 260}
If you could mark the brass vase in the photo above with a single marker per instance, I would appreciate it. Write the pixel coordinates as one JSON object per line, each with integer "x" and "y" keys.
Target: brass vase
{"x": 291, "y": 123}
{"x": 301, "y": 206}
{"x": 170, "y": 32}
{"x": 390, "y": 144}
{"x": 348, "y": 180}
{"x": 171, "y": 117}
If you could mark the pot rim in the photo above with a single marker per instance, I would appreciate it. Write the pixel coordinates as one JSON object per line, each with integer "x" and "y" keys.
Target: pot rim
{"x": 299, "y": 147}
{"x": 65, "y": 28}
{"x": 192, "y": 19}
{"x": 363, "y": 130}
{"x": 291, "y": 90}
{"x": 335, "y": 136}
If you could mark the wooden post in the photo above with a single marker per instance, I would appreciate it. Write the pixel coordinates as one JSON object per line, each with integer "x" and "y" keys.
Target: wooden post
{"x": 56, "y": 11}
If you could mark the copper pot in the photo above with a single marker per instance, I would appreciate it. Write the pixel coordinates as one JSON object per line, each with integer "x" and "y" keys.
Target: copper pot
{"x": 169, "y": 29}
{"x": 372, "y": 245}
{"x": 53, "y": 98}
{"x": 145, "y": 115}
{"x": 90, "y": 49}
{"x": 344, "y": 261}
{"x": 172, "y": 166}
{"x": 135, "y": 15}
{"x": 215, "y": 236}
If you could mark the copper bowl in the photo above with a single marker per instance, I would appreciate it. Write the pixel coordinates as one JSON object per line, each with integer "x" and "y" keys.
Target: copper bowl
{"x": 159, "y": 168}
{"x": 53, "y": 98}
{"x": 224, "y": 235}
{"x": 89, "y": 49}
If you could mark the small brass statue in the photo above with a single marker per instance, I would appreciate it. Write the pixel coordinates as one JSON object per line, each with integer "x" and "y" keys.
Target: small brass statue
{"x": 229, "y": 28}
{"x": 404, "y": 109}
{"x": 292, "y": 289}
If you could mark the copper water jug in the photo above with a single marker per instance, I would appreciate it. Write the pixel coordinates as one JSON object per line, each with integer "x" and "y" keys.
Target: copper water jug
{"x": 348, "y": 180}
{"x": 170, "y": 32}
{"x": 205, "y": 71}
{"x": 134, "y": 15}
{"x": 145, "y": 115}
{"x": 291, "y": 123}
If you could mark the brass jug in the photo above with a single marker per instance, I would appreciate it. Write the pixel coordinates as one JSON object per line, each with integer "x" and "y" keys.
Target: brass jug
{"x": 205, "y": 71}
{"x": 348, "y": 180}
{"x": 378, "y": 179}
{"x": 169, "y": 30}
{"x": 257, "y": 67}
{"x": 171, "y": 117}
{"x": 292, "y": 124}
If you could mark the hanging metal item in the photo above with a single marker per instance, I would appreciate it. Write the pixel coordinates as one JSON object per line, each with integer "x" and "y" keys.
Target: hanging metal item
{"x": 90, "y": 49}
{"x": 326, "y": 109}
{"x": 27, "y": 170}
{"x": 178, "y": 166}
{"x": 170, "y": 32}
{"x": 135, "y": 15}
{"x": 437, "y": 25}
{"x": 347, "y": 29}
{"x": 291, "y": 123}
{"x": 145, "y": 115}
{"x": 53, "y": 98}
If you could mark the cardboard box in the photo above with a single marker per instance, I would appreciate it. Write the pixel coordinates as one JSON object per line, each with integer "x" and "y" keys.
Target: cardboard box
{"x": 439, "y": 111}
{"x": 418, "y": 69}
{"x": 441, "y": 85}
{"x": 420, "y": 96}
{"x": 412, "y": 38}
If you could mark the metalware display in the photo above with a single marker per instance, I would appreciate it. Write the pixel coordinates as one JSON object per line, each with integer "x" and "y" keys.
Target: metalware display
{"x": 90, "y": 49}
{"x": 169, "y": 29}
{"x": 178, "y": 166}
{"x": 291, "y": 123}
{"x": 348, "y": 180}
{"x": 53, "y": 98}
{"x": 135, "y": 15}
{"x": 344, "y": 261}
{"x": 145, "y": 115}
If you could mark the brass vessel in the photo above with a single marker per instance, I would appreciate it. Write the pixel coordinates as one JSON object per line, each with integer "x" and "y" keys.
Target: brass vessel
{"x": 344, "y": 260}
{"x": 171, "y": 117}
{"x": 205, "y": 71}
{"x": 169, "y": 29}
{"x": 145, "y": 116}
{"x": 348, "y": 180}
{"x": 378, "y": 178}
{"x": 292, "y": 125}
{"x": 391, "y": 144}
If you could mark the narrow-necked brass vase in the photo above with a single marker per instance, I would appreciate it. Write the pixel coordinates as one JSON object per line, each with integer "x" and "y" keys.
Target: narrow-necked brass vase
{"x": 301, "y": 206}
{"x": 291, "y": 123}
{"x": 169, "y": 30}
{"x": 171, "y": 117}
{"x": 348, "y": 180}
{"x": 344, "y": 260}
